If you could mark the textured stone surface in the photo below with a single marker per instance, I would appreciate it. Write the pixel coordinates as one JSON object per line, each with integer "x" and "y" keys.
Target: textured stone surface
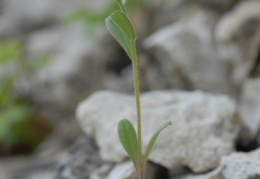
{"x": 202, "y": 130}
{"x": 221, "y": 4}
{"x": 235, "y": 166}
{"x": 250, "y": 104}
{"x": 185, "y": 56}
{"x": 216, "y": 174}
{"x": 73, "y": 60}
{"x": 21, "y": 16}
{"x": 242, "y": 165}
{"x": 238, "y": 39}
{"x": 83, "y": 159}
{"x": 45, "y": 161}
{"x": 126, "y": 170}
{"x": 66, "y": 49}
{"x": 29, "y": 167}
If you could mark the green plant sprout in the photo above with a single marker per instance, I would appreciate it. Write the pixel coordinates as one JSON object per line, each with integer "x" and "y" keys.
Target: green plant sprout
{"x": 121, "y": 28}
{"x": 18, "y": 122}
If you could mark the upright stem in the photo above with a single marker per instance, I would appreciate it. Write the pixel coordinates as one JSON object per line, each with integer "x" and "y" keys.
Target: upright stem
{"x": 141, "y": 174}
{"x": 138, "y": 109}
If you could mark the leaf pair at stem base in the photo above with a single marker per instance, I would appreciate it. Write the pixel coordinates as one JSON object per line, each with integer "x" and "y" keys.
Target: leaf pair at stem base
{"x": 128, "y": 139}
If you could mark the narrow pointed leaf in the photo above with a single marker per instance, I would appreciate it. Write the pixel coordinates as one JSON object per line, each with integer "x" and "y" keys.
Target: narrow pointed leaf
{"x": 121, "y": 28}
{"x": 122, "y": 6}
{"x": 153, "y": 139}
{"x": 128, "y": 139}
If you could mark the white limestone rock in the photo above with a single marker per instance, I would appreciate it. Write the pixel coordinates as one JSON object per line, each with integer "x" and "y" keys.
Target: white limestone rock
{"x": 185, "y": 56}
{"x": 215, "y": 174}
{"x": 242, "y": 165}
{"x": 83, "y": 158}
{"x": 235, "y": 166}
{"x": 202, "y": 132}
{"x": 19, "y": 16}
{"x": 126, "y": 170}
{"x": 74, "y": 67}
{"x": 220, "y": 4}
{"x": 50, "y": 85}
{"x": 238, "y": 39}
{"x": 249, "y": 106}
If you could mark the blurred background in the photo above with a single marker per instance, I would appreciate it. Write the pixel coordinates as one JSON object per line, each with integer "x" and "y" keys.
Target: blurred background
{"x": 55, "y": 53}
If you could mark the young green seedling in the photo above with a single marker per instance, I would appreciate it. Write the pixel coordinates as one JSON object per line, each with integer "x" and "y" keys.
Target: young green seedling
{"x": 121, "y": 28}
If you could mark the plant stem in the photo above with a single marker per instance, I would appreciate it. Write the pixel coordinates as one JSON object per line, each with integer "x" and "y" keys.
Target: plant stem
{"x": 138, "y": 109}
{"x": 140, "y": 174}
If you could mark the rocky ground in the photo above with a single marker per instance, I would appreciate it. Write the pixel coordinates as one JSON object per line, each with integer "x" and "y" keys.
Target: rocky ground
{"x": 199, "y": 67}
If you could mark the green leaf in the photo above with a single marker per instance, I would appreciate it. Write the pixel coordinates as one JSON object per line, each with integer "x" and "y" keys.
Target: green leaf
{"x": 10, "y": 50}
{"x": 153, "y": 139}
{"x": 122, "y": 5}
{"x": 128, "y": 139}
{"x": 121, "y": 28}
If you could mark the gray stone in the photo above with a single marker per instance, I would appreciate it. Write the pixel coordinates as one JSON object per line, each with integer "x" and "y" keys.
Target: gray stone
{"x": 120, "y": 83}
{"x": 82, "y": 160}
{"x": 220, "y": 4}
{"x": 31, "y": 167}
{"x": 58, "y": 141}
{"x": 48, "y": 86}
{"x": 203, "y": 129}
{"x": 235, "y": 166}
{"x": 126, "y": 170}
{"x": 178, "y": 171}
{"x": 249, "y": 106}
{"x": 216, "y": 174}
{"x": 75, "y": 67}
{"x": 168, "y": 12}
{"x": 238, "y": 39}
{"x": 102, "y": 172}
{"x": 164, "y": 14}
{"x": 21, "y": 16}
{"x": 242, "y": 165}
{"x": 186, "y": 57}
{"x": 44, "y": 162}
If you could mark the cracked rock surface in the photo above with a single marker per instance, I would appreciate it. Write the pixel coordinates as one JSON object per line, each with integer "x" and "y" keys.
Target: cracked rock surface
{"x": 203, "y": 129}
